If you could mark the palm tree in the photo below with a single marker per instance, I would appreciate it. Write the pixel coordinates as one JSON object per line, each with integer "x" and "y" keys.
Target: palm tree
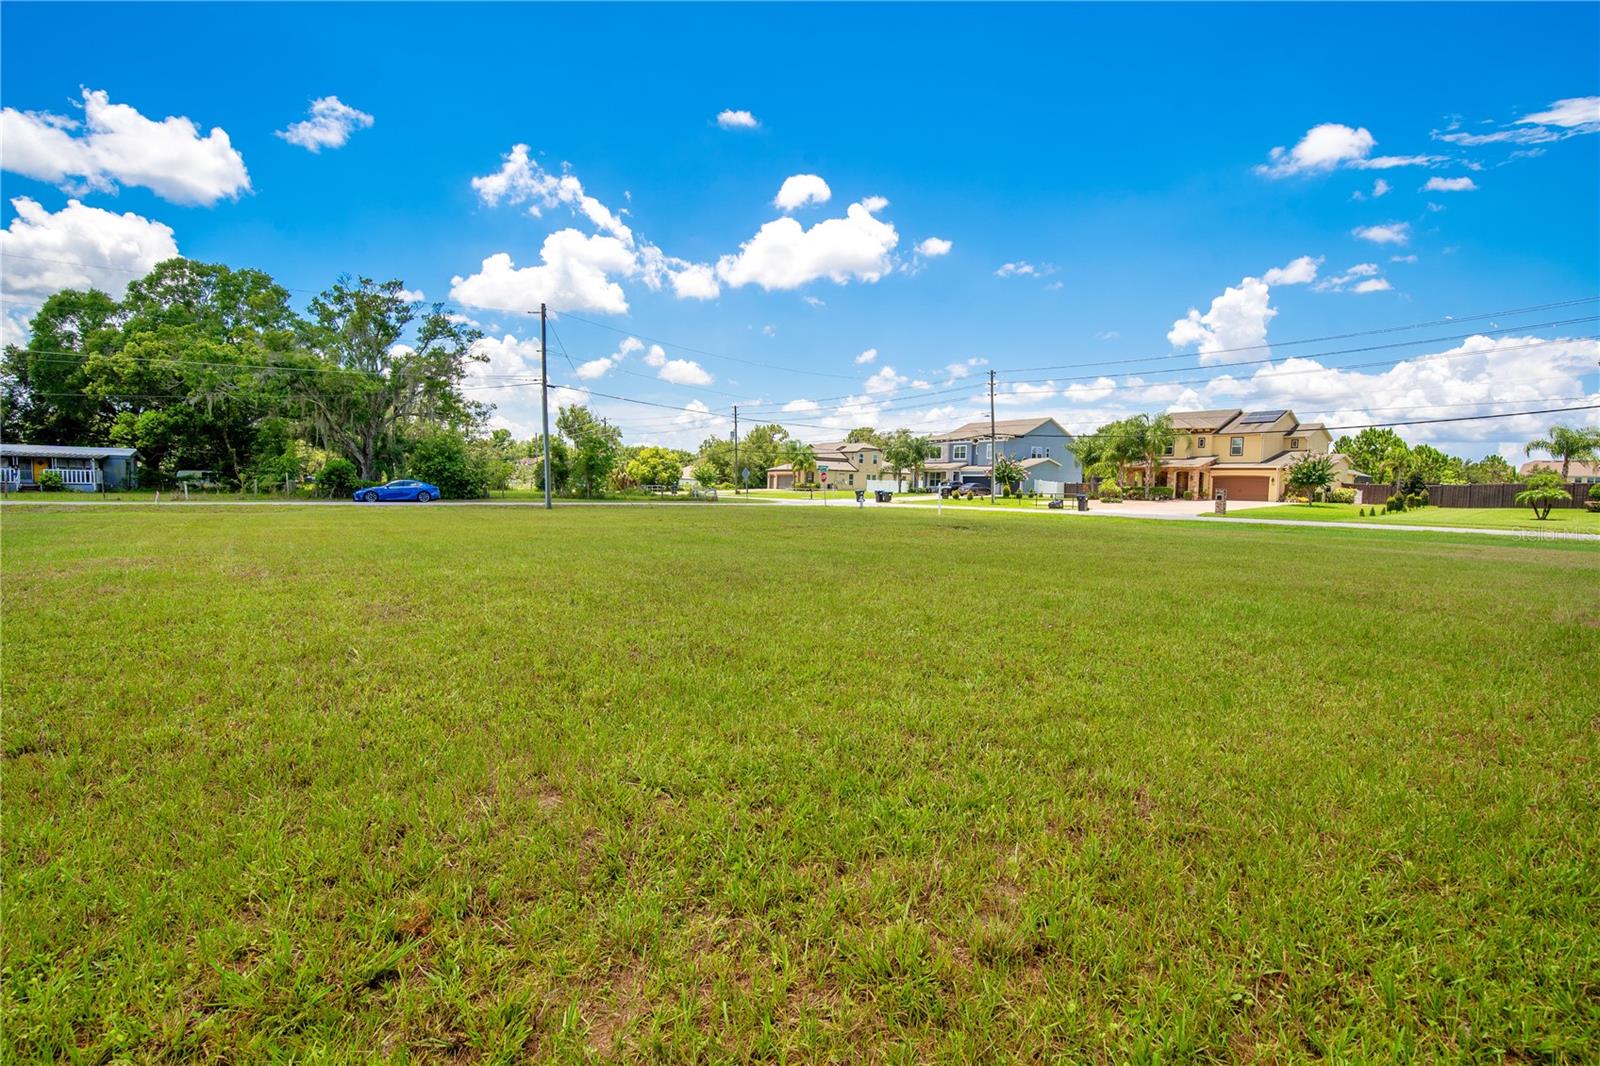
{"x": 1568, "y": 444}
{"x": 1155, "y": 436}
{"x": 802, "y": 459}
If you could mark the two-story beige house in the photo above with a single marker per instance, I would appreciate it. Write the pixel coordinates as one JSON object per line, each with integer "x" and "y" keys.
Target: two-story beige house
{"x": 849, "y": 466}
{"x": 1247, "y": 453}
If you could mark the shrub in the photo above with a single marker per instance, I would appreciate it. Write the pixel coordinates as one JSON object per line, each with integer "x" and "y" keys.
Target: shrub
{"x": 1593, "y": 502}
{"x": 338, "y": 478}
{"x": 1395, "y": 503}
{"x": 1161, "y": 492}
{"x": 444, "y": 459}
{"x": 50, "y": 481}
{"x": 1343, "y": 496}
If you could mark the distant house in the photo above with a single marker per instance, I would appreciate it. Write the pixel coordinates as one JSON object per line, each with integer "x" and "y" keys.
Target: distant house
{"x": 1580, "y": 473}
{"x": 82, "y": 469}
{"x": 1246, "y": 453}
{"x": 849, "y": 466}
{"x": 966, "y": 453}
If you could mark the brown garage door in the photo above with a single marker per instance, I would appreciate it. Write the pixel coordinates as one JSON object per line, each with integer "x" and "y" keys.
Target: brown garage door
{"x": 1242, "y": 488}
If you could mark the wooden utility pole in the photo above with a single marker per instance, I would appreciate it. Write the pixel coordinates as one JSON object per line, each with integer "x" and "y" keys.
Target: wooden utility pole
{"x": 544, "y": 403}
{"x": 737, "y": 480}
{"x": 991, "y": 437}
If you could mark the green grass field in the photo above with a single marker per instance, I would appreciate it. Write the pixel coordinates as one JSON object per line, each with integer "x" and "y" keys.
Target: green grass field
{"x": 499, "y": 785}
{"x": 1562, "y": 520}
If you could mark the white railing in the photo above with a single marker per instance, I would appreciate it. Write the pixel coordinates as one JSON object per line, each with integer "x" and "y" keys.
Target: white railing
{"x": 10, "y": 477}
{"x": 78, "y": 475}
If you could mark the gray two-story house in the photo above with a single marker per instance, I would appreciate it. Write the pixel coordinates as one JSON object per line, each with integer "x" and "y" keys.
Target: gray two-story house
{"x": 1038, "y": 444}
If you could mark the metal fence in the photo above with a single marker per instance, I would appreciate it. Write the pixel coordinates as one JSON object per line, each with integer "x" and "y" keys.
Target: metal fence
{"x": 1500, "y": 495}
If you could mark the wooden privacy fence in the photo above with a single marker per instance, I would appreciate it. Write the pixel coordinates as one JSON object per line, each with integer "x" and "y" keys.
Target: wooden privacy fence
{"x": 1469, "y": 495}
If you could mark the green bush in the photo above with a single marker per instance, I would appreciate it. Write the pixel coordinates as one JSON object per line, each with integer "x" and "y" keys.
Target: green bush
{"x": 338, "y": 478}
{"x": 1161, "y": 492}
{"x": 444, "y": 459}
{"x": 1415, "y": 500}
{"x": 1343, "y": 496}
{"x": 1395, "y": 503}
{"x": 50, "y": 481}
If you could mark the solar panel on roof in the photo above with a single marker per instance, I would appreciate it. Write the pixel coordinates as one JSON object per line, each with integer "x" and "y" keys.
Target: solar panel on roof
{"x": 1255, "y": 417}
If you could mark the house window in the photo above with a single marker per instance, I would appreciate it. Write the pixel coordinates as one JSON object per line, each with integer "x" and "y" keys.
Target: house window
{"x": 1037, "y": 452}
{"x": 1294, "y": 443}
{"x": 1236, "y": 446}
{"x": 1201, "y": 444}
{"x": 958, "y": 452}
{"x": 1168, "y": 449}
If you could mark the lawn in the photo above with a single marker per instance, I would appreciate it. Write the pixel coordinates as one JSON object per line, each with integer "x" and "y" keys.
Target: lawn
{"x": 746, "y": 784}
{"x": 1561, "y": 520}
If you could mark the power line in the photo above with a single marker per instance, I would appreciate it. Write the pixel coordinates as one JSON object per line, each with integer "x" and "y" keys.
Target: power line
{"x": 702, "y": 351}
{"x": 1466, "y": 418}
{"x": 1447, "y": 321}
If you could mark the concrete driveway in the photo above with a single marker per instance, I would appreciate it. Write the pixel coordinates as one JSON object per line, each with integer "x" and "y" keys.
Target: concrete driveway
{"x": 1170, "y": 508}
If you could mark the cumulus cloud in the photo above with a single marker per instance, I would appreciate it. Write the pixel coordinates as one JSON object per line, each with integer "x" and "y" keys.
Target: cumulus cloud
{"x": 1372, "y": 285}
{"x": 77, "y": 247}
{"x": 116, "y": 146}
{"x": 411, "y": 296}
{"x": 1239, "y": 317}
{"x": 598, "y": 368}
{"x": 885, "y": 380}
{"x": 522, "y": 180}
{"x": 1387, "y": 233}
{"x": 676, "y": 371}
{"x": 1450, "y": 185}
{"x": 1332, "y": 145}
{"x": 785, "y": 255}
{"x": 1298, "y": 272}
{"x": 801, "y": 189}
{"x": 737, "y": 120}
{"x": 331, "y": 123}
{"x": 933, "y": 247}
{"x": 801, "y": 406}
{"x": 574, "y": 275}
{"x": 867, "y": 356}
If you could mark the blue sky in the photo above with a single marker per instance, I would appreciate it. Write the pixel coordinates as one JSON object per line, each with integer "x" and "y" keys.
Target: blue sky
{"x": 1118, "y": 158}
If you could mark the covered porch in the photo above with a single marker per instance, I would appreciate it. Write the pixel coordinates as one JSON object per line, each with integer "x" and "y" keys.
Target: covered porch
{"x": 80, "y": 469}
{"x": 1184, "y": 476}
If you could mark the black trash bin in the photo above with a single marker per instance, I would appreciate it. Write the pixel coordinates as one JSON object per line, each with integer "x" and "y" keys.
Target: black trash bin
{"x": 882, "y": 495}
{"x": 1083, "y": 501}
{"x": 861, "y": 495}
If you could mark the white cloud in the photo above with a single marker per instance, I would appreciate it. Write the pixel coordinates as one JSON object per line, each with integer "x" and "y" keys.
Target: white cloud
{"x": 1238, "y": 318}
{"x": 656, "y": 356}
{"x": 964, "y": 369}
{"x": 801, "y": 189}
{"x": 769, "y": 330}
{"x": 1373, "y": 285}
{"x": 1571, "y": 117}
{"x": 885, "y": 380}
{"x": 1450, "y": 185}
{"x": 77, "y": 247}
{"x": 116, "y": 145}
{"x": 1380, "y": 188}
{"x": 1402, "y": 259}
{"x": 597, "y": 368}
{"x": 1361, "y": 278}
{"x": 1021, "y": 269}
{"x": 1298, "y": 272}
{"x": 737, "y": 120}
{"x": 684, "y": 372}
{"x": 1388, "y": 233}
{"x": 785, "y": 255}
{"x": 867, "y": 356}
{"x": 814, "y": 301}
{"x": 1106, "y": 335}
{"x": 1332, "y": 145}
{"x": 801, "y": 406}
{"x": 521, "y": 179}
{"x": 933, "y": 247}
{"x": 330, "y": 125}
{"x": 574, "y": 276}
{"x": 695, "y": 281}
{"x": 411, "y": 296}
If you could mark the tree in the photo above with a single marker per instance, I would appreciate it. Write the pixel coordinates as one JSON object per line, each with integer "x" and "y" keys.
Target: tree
{"x": 596, "y": 445}
{"x": 654, "y": 466}
{"x": 1545, "y": 489}
{"x": 1008, "y": 472}
{"x": 802, "y": 459}
{"x": 1154, "y": 438}
{"x": 864, "y": 435}
{"x": 759, "y": 451}
{"x": 1090, "y": 450}
{"x": 43, "y": 395}
{"x": 1490, "y": 470}
{"x": 372, "y": 390}
{"x": 444, "y": 458}
{"x": 1312, "y": 475}
{"x": 1435, "y": 467}
{"x": 1378, "y": 453}
{"x": 1569, "y": 444}
{"x": 902, "y": 451}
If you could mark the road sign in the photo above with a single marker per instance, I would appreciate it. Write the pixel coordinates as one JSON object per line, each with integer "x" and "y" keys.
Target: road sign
{"x": 744, "y": 474}
{"x": 824, "y": 473}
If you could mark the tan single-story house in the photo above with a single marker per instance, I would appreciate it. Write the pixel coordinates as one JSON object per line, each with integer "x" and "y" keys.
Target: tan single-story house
{"x": 1579, "y": 473}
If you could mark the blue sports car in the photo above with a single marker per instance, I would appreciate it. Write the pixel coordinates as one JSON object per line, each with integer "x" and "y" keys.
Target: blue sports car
{"x": 420, "y": 491}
